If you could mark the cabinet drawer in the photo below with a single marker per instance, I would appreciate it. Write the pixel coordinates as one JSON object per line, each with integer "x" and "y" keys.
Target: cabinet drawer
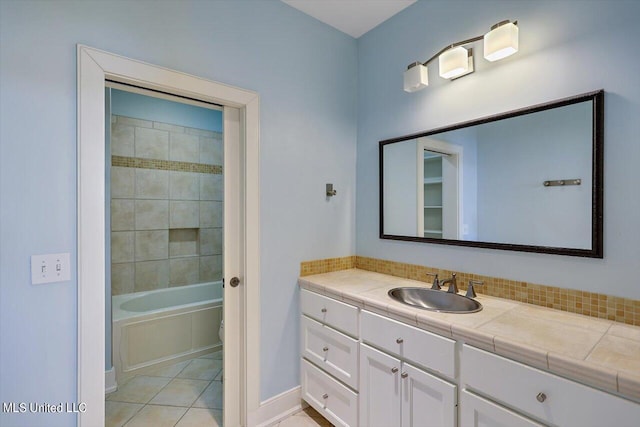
{"x": 566, "y": 403}
{"x": 336, "y": 314}
{"x": 424, "y": 348}
{"x": 333, "y": 400}
{"x": 478, "y": 412}
{"x": 334, "y": 352}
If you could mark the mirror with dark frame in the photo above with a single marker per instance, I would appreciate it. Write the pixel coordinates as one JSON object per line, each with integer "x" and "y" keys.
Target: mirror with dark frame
{"x": 526, "y": 180}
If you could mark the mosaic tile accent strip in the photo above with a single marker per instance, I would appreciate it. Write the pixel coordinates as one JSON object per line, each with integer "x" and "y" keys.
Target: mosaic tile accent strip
{"x": 307, "y": 268}
{"x": 570, "y": 300}
{"x": 574, "y": 301}
{"x": 167, "y": 165}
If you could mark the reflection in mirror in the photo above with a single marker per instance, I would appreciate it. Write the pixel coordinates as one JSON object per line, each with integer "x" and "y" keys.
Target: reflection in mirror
{"x": 523, "y": 181}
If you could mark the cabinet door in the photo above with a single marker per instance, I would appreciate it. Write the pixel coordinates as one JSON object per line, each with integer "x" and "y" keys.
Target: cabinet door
{"x": 478, "y": 412}
{"x": 426, "y": 400}
{"x": 379, "y": 388}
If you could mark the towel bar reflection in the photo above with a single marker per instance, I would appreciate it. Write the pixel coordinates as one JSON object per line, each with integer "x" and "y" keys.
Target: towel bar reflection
{"x": 561, "y": 182}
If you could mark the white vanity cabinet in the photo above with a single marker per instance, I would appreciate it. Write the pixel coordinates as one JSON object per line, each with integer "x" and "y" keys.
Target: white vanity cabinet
{"x": 364, "y": 369}
{"x": 394, "y": 392}
{"x": 329, "y": 348}
{"x": 553, "y": 400}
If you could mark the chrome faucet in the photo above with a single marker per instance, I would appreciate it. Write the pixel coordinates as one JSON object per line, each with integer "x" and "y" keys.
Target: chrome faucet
{"x": 436, "y": 283}
{"x": 453, "y": 284}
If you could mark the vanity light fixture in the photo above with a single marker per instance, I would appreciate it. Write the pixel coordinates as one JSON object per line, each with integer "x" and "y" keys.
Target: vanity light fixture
{"x": 456, "y": 61}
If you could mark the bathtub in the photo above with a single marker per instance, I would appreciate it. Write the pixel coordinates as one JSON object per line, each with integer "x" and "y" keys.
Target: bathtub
{"x": 158, "y": 328}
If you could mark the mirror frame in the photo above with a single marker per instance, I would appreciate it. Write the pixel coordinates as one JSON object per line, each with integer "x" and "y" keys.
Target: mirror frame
{"x": 596, "y": 251}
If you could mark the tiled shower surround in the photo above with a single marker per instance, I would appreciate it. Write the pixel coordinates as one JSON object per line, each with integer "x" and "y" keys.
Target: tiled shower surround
{"x": 166, "y": 205}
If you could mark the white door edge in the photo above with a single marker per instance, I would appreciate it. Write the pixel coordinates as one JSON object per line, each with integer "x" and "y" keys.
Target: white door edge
{"x": 94, "y": 67}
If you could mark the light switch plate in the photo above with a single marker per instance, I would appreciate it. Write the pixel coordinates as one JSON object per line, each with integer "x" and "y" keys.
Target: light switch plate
{"x": 50, "y": 268}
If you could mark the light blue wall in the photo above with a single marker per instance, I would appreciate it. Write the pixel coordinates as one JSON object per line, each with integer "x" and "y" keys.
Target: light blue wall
{"x": 515, "y": 157}
{"x": 566, "y": 48}
{"x": 161, "y": 110}
{"x": 307, "y": 130}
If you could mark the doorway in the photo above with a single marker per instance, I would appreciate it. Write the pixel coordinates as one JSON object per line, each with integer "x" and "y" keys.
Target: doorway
{"x": 241, "y": 242}
{"x": 165, "y": 231}
{"x": 439, "y": 167}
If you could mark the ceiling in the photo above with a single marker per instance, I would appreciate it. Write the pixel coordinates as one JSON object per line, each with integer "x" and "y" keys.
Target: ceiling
{"x": 354, "y": 17}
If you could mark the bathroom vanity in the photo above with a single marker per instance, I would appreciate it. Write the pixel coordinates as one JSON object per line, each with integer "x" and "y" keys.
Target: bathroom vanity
{"x": 368, "y": 360}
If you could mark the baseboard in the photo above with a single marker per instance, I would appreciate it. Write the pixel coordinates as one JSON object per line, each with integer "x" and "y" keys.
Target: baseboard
{"x": 277, "y": 408}
{"x": 110, "y": 384}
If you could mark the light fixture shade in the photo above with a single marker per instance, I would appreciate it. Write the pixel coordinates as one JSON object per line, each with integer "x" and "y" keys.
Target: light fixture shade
{"x": 501, "y": 42}
{"x": 454, "y": 62}
{"x": 416, "y": 78}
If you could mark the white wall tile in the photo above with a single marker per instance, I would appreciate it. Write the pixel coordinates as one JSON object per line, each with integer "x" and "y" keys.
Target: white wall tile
{"x": 122, "y": 276}
{"x": 151, "y": 245}
{"x": 122, "y": 246}
{"x": 122, "y": 182}
{"x": 152, "y": 214}
{"x": 184, "y": 148}
{"x": 183, "y": 185}
{"x": 211, "y": 151}
{"x": 168, "y": 127}
{"x": 210, "y": 241}
{"x": 211, "y": 186}
{"x": 201, "y": 132}
{"x": 123, "y": 120}
{"x": 211, "y": 214}
{"x": 152, "y": 184}
{"x": 122, "y": 217}
{"x": 184, "y": 271}
{"x": 151, "y": 143}
{"x": 122, "y": 140}
{"x": 151, "y": 275}
{"x": 184, "y": 214}
{"x": 210, "y": 268}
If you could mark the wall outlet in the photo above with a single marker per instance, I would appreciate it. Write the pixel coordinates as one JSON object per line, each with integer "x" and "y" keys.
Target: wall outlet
{"x": 50, "y": 268}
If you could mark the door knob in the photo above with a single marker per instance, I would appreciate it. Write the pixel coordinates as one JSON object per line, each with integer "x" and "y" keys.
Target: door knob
{"x": 234, "y": 282}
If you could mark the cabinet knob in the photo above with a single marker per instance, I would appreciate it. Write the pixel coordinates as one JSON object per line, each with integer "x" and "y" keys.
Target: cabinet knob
{"x": 399, "y": 340}
{"x": 324, "y": 310}
{"x": 541, "y": 397}
{"x": 394, "y": 370}
{"x": 404, "y": 375}
{"x": 325, "y": 349}
{"x": 325, "y": 396}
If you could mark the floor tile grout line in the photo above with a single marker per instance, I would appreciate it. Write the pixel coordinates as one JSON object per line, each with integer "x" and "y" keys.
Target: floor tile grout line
{"x": 171, "y": 378}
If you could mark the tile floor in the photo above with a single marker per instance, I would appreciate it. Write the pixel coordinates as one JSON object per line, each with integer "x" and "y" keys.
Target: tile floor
{"x": 306, "y": 418}
{"x": 185, "y": 394}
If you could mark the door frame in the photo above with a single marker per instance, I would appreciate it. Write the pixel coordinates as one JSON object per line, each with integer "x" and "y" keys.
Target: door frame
{"x": 453, "y": 218}
{"x": 94, "y": 67}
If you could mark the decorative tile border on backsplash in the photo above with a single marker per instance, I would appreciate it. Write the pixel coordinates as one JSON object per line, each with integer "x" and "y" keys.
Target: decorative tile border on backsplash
{"x": 307, "y": 268}
{"x": 167, "y": 165}
{"x": 574, "y": 301}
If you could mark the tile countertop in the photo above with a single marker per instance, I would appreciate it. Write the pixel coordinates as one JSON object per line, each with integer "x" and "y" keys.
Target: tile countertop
{"x": 597, "y": 352}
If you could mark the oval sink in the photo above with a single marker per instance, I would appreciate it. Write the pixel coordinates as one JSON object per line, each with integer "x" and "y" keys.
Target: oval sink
{"x": 430, "y": 299}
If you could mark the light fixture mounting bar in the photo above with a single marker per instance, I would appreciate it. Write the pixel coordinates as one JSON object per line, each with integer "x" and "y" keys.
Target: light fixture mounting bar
{"x": 451, "y": 46}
